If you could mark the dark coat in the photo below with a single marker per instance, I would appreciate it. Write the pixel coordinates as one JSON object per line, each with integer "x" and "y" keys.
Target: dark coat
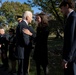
{"x": 12, "y": 45}
{"x": 4, "y": 43}
{"x": 41, "y": 50}
{"x": 69, "y": 36}
{"x": 23, "y": 40}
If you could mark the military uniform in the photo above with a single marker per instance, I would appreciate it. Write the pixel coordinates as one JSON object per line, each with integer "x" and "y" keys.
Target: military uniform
{"x": 12, "y": 47}
{"x": 12, "y": 44}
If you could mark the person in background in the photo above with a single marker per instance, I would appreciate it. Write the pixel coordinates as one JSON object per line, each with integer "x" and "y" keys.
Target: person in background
{"x": 12, "y": 45}
{"x": 4, "y": 48}
{"x": 69, "y": 45}
{"x": 19, "y": 18}
{"x": 23, "y": 44}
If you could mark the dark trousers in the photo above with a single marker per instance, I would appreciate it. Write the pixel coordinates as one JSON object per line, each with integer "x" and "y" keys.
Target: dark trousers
{"x": 23, "y": 64}
{"x": 38, "y": 68}
{"x": 69, "y": 69}
{"x": 20, "y": 67}
{"x": 4, "y": 59}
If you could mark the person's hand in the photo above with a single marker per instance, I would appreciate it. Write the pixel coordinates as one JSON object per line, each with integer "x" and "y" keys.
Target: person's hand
{"x": 26, "y": 31}
{"x": 0, "y": 45}
{"x": 64, "y": 64}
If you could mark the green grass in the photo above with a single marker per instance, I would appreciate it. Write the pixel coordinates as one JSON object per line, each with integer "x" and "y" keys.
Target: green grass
{"x": 54, "y": 57}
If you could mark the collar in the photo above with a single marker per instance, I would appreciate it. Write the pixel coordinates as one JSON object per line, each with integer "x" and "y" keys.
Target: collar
{"x": 26, "y": 22}
{"x": 69, "y": 13}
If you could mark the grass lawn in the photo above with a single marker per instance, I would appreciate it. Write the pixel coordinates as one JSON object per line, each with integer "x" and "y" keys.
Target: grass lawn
{"x": 54, "y": 57}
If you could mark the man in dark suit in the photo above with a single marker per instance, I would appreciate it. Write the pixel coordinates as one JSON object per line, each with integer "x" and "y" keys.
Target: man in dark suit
{"x": 24, "y": 43}
{"x": 4, "y": 48}
{"x": 69, "y": 37}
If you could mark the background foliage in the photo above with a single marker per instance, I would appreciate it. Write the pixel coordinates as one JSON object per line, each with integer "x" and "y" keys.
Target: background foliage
{"x": 10, "y": 10}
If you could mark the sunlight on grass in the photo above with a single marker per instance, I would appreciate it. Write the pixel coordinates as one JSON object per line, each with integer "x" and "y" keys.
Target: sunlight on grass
{"x": 54, "y": 58}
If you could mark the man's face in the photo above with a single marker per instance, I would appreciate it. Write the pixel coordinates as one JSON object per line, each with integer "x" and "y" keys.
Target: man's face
{"x": 10, "y": 33}
{"x": 63, "y": 10}
{"x": 30, "y": 18}
{"x": 2, "y": 31}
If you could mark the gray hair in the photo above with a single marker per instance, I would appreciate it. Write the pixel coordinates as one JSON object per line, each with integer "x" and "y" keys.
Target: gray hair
{"x": 26, "y": 13}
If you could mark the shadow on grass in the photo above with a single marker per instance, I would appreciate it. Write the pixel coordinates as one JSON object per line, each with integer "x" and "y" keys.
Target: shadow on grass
{"x": 54, "y": 58}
